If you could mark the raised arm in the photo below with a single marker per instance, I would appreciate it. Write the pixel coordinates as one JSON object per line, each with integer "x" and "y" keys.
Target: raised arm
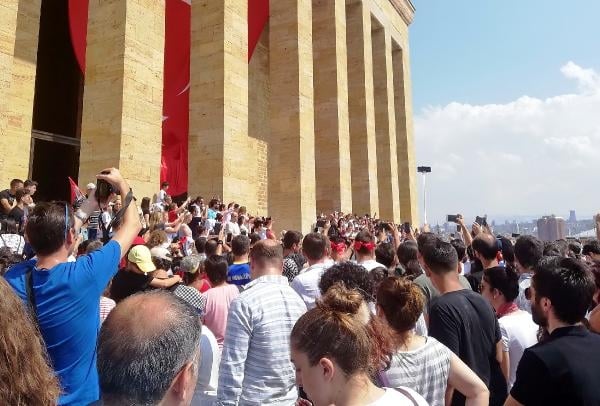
{"x": 468, "y": 239}
{"x": 395, "y": 235}
{"x": 130, "y": 224}
{"x": 6, "y": 206}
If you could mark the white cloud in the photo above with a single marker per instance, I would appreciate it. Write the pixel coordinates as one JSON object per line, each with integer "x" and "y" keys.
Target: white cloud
{"x": 527, "y": 157}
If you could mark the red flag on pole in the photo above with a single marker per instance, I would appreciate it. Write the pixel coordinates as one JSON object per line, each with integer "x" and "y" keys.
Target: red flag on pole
{"x": 76, "y": 193}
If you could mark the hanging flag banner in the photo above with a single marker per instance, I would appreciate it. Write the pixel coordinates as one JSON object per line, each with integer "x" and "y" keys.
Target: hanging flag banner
{"x": 175, "y": 120}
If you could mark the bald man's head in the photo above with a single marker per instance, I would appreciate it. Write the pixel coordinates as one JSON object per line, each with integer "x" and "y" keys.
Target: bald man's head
{"x": 486, "y": 245}
{"x": 143, "y": 344}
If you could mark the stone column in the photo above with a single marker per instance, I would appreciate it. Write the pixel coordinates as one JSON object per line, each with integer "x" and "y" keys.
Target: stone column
{"x": 122, "y": 105}
{"x": 363, "y": 152}
{"x": 19, "y": 28}
{"x": 332, "y": 136}
{"x": 385, "y": 125}
{"x": 292, "y": 146}
{"x": 220, "y": 162}
{"x": 407, "y": 190}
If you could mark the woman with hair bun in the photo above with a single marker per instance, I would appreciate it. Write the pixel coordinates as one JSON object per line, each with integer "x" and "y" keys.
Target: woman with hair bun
{"x": 422, "y": 363}
{"x": 500, "y": 286}
{"x": 335, "y": 358}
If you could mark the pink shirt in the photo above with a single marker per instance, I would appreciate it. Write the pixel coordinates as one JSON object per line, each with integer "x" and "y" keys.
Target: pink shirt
{"x": 217, "y": 307}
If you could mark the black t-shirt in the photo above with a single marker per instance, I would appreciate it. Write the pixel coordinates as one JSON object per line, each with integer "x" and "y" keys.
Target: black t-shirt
{"x": 193, "y": 225}
{"x": 127, "y": 283}
{"x": 466, "y": 323}
{"x": 5, "y": 194}
{"x": 17, "y": 215}
{"x": 564, "y": 370}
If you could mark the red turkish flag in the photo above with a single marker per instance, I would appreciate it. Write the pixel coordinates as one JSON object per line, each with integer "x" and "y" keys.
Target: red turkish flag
{"x": 175, "y": 124}
{"x": 76, "y": 193}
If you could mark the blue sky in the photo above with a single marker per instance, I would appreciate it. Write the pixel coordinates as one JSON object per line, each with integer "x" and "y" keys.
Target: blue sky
{"x": 493, "y": 51}
{"x": 506, "y": 101}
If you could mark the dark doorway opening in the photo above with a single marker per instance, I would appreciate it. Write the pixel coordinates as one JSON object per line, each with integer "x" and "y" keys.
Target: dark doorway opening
{"x": 57, "y": 105}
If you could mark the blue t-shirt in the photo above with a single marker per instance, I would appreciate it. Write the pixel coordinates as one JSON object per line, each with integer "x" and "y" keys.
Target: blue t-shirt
{"x": 239, "y": 274}
{"x": 67, "y": 301}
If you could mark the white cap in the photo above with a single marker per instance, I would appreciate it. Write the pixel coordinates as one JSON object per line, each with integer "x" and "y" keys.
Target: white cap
{"x": 91, "y": 186}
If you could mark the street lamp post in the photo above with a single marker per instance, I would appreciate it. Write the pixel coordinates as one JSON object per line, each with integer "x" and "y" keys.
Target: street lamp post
{"x": 424, "y": 170}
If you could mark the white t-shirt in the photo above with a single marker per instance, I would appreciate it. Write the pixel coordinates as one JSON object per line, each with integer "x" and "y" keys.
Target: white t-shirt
{"x": 160, "y": 197}
{"x": 392, "y": 397}
{"x": 208, "y": 370}
{"x": 232, "y": 228}
{"x": 306, "y": 284}
{"x": 371, "y": 264}
{"x": 15, "y": 242}
{"x": 518, "y": 333}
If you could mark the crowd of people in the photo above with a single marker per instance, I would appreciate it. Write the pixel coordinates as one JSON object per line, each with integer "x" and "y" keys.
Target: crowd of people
{"x": 107, "y": 303}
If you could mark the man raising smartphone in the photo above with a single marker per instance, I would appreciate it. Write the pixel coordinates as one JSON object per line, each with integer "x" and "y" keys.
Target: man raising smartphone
{"x": 64, "y": 296}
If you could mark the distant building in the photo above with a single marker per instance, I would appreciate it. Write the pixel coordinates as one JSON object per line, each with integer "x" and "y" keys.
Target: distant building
{"x": 572, "y": 217}
{"x": 551, "y": 228}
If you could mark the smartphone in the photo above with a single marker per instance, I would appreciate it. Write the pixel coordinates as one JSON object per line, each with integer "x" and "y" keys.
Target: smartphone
{"x": 482, "y": 221}
{"x": 103, "y": 190}
{"x": 458, "y": 229}
{"x": 229, "y": 237}
{"x": 406, "y": 227}
{"x": 516, "y": 235}
{"x": 452, "y": 218}
{"x": 320, "y": 223}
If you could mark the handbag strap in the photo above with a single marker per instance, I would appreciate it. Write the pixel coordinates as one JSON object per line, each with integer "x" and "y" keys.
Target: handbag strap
{"x": 408, "y": 395}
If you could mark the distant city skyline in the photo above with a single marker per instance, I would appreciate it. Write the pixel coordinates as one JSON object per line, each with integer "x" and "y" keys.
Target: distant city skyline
{"x": 506, "y": 114}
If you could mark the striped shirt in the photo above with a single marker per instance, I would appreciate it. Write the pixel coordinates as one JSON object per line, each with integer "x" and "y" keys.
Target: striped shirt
{"x": 255, "y": 364}
{"x": 425, "y": 370}
{"x": 106, "y": 306}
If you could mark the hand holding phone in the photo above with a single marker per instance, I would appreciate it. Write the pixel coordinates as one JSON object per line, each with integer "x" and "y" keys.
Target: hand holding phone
{"x": 109, "y": 182}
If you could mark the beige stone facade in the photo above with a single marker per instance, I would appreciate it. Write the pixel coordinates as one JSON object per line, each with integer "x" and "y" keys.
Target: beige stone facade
{"x": 319, "y": 120}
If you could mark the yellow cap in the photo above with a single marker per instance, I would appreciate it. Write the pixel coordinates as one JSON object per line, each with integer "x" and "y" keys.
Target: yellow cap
{"x": 140, "y": 255}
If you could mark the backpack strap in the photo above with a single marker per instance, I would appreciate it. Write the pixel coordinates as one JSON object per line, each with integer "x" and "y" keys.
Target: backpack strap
{"x": 31, "y": 295}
